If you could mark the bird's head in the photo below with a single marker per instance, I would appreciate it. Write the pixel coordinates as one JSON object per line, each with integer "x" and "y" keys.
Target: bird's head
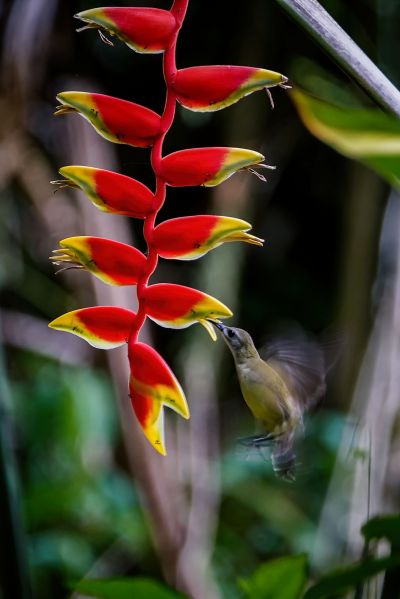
{"x": 238, "y": 340}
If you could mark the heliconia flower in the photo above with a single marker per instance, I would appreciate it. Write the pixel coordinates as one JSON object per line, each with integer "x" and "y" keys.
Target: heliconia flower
{"x": 190, "y": 237}
{"x": 208, "y": 166}
{"x": 146, "y": 30}
{"x": 177, "y": 307}
{"x": 109, "y": 191}
{"x": 104, "y": 327}
{"x": 209, "y": 88}
{"x": 112, "y": 262}
{"x": 117, "y": 120}
{"x": 152, "y": 386}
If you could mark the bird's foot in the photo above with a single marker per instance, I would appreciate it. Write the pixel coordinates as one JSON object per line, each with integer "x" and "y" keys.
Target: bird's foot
{"x": 259, "y": 440}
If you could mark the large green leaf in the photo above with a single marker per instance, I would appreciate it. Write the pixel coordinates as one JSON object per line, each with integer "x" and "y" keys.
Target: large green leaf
{"x": 387, "y": 527}
{"x": 284, "y": 578}
{"x": 342, "y": 580}
{"x": 126, "y": 588}
{"x": 368, "y": 135}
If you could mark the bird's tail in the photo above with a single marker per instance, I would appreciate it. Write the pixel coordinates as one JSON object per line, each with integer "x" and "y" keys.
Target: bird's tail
{"x": 283, "y": 461}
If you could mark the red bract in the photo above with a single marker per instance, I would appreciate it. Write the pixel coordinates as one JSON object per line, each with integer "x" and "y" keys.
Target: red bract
{"x": 153, "y": 386}
{"x": 214, "y": 87}
{"x": 206, "y": 166}
{"x": 117, "y": 120}
{"x": 104, "y": 327}
{"x": 146, "y": 30}
{"x": 109, "y": 191}
{"x": 190, "y": 237}
{"x": 178, "y": 307}
{"x": 112, "y": 262}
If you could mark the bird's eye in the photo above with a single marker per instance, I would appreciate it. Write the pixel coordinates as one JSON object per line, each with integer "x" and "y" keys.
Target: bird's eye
{"x": 231, "y": 333}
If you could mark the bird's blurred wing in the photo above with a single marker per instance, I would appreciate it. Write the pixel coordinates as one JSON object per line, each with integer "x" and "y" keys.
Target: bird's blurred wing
{"x": 300, "y": 361}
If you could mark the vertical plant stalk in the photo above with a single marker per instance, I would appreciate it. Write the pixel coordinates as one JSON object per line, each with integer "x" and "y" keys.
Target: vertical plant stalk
{"x": 328, "y": 33}
{"x": 178, "y": 9}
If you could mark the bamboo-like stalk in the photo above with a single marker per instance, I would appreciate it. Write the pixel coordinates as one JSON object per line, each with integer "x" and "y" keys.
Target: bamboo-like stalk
{"x": 328, "y": 33}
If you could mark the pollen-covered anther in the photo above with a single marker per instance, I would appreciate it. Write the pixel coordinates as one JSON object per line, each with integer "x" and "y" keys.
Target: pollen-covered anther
{"x": 66, "y": 257}
{"x": 63, "y": 109}
{"x": 63, "y": 184}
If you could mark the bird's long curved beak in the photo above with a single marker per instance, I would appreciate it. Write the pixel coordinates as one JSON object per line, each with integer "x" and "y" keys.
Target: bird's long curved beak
{"x": 217, "y": 324}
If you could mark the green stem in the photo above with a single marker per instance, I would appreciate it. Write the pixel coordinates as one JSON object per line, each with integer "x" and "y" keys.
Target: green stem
{"x": 324, "y": 29}
{"x": 14, "y": 577}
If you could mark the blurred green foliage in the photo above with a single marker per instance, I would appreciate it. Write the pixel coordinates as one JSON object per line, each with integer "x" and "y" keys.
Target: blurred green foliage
{"x": 78, "y": 501}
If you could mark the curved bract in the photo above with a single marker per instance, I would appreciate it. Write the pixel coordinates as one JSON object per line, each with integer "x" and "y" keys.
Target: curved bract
{"x": 191, "y": 237}
{"x": 146, "y": 30}
{"x": 110, "y": 261}
{"x": 152, "y": 386}
{"x": 213, "y": 87}
{"x": 177, "y": 306}
{"x": 117, "y": 120}
{"x": 104, "y": 327}
{"x": 206, "y": 166}
{"x": 108, "y": 191}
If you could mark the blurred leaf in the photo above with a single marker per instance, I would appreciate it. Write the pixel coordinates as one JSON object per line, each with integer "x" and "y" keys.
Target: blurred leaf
{"x": 387, "y": 527}
{"x": 284, "y": 578}
{"x": 126, "y": 588}
{"x": 367, "y": 135}
{"x": 342, "y": 580}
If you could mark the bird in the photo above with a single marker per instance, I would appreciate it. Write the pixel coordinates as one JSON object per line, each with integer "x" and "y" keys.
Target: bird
{"x": 279, "y": 384}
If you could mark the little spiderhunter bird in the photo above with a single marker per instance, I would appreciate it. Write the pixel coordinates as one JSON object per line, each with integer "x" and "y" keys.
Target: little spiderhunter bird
{"x": 278, "y": 386}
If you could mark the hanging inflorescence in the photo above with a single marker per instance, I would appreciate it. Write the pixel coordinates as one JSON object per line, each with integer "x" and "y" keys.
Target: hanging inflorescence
{"x": 203, "y": 88}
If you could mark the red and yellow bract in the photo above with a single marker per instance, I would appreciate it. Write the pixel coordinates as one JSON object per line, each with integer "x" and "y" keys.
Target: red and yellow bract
{"x": 205, "y": 166}
{"x": 104, "y": 327}
{"x": 109, "y": 191}
{"x": 112, "y": 262}
{"x": 209, "y": 88}
{"x": 153, "y": 386}
{"x": 145, "y": 30}
{"x": 190, "y": 237}
{"x": 177, "y": 306}
{"x": 117, "y": 120}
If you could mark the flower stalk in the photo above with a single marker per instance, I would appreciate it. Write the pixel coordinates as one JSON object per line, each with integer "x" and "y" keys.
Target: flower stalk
{"x": 152, "y": 384}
